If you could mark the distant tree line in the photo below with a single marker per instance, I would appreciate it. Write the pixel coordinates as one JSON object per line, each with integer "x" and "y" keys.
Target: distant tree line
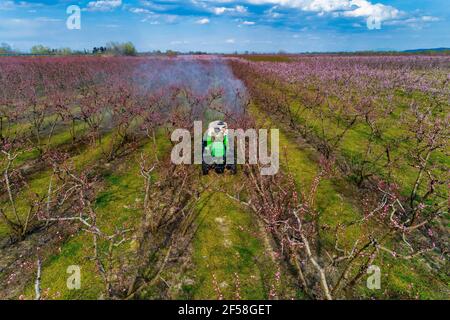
{"x": 6, "y": 49}
{"x": 120, "y": 49}
{"x": 128, "y": 49}
{"x": 112, "y": 48}
{"x": 99, "y": 50}
{"x": 43, "y": 50}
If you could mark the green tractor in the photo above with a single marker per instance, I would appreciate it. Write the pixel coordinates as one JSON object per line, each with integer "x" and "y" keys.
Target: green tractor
{"x": 216, "y": 147}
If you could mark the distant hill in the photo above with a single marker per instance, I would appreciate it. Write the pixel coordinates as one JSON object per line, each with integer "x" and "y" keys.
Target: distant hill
{"x": 435, "y": 50}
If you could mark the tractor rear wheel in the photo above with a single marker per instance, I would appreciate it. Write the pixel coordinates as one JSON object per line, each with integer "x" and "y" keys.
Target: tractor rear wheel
{"x": 205, "y": 169}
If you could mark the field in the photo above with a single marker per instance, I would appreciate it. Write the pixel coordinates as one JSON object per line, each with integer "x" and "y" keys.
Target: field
{"x": 88, "y": 187}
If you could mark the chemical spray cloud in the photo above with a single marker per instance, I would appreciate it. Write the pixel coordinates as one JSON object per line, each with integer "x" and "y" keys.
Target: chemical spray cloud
{"x": 257, "y": 144}
{"x": 198, "y": 75}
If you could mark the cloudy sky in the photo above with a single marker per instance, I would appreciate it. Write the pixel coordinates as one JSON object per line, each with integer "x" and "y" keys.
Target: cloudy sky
{"x": 228, "y": 25}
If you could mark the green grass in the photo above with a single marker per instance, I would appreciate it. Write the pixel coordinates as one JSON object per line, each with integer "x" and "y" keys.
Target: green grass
{"x": 301, "y": 161}
{"x": 38, "y": 183}
{"x": 57, "y": 140}
{"x": 353, "y": 145}
{"x": 337, "y": 200}
{"x": 228, "y": 242}
{"x": 116, "y": 205}
{"x": 407, "y": 279}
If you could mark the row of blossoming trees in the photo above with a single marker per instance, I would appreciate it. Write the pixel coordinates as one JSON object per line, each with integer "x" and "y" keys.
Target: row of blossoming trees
{"x": 383, "y": 124}
{"x": 63, "y": 121}
{"x": 380, "y": 122}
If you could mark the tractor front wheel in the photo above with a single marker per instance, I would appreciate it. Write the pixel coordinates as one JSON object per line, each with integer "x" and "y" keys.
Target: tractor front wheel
{"x": 220, "y": 169}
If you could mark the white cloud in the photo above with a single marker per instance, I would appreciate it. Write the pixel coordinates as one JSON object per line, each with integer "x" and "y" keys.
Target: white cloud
{"x": 326, "y": 5}
{"x": 11, "y": 5}
{"x": 103, "y": 5}
{"x": 308, "y": 5}
{"x": 271, "y": 13}
{"x": 429, "y": 19}
{"x": 347, "y": 8}
{"x": 236, "y": 9}
{"x": 46, "y": 19}
{"x": 17, "y": 22}
{"x": 414, "y": 22}
{"x": 178, "y": 42}
{"x": 155, "y": 19}
{"x": 7, "y": 5}
{"x": 219, "y": 10}
{"x": 157, "y": 6}
{"x": 367, "y": 9}
{"x": 231, "y": 41}
{"x": 140, "y": 11}
{"x": 170, "y": 18}
{"x": 202, "y": 21}
{"x": 248, "y": 23}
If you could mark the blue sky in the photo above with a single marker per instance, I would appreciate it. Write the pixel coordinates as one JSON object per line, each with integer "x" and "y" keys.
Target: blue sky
{"x": 228, "y": 25}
